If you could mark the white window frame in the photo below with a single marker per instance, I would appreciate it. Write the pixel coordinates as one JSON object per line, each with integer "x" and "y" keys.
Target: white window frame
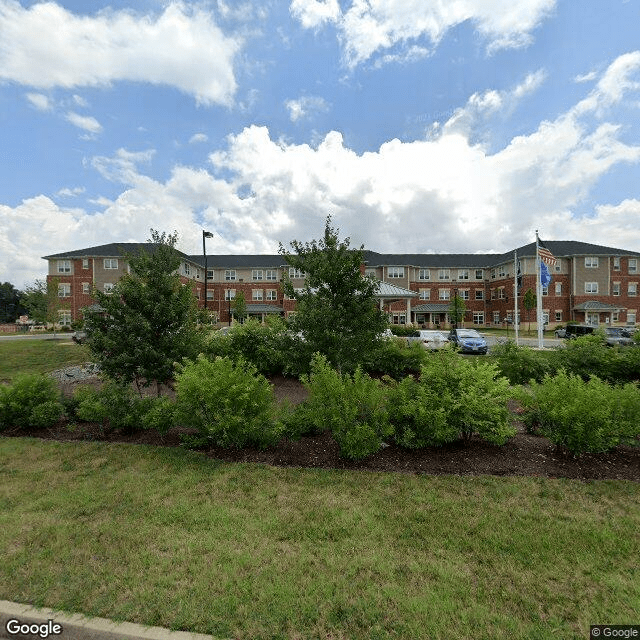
{"x": 479, "y": 274}
{"x": 85, "y": 263}
{"x": 187, "y": 269}
{"x": 591, "y": 262}
{"x": 633, "y": 265}
{"x": 272, "y": 294}
{"x": 631, "y": 317}
{"x": 558, "y": 315}
{"x": 271, "y": 275}
{"x": 558, "y": 288}
{"x": 107, "y": 287}
{"x": 424, "y": 294}
{"x": 478, "y": 317}
{"x": 502, "y": 271}
{"x": 257, "y": 295}
{"x": 444, "y": 294}
{"x": 632, "y": 289}
{"x": 463, "y": 274}
{"x": 229, "y": 294}
{"x": 296, "y": 273}
{"x": 479, "y": 294}
{"x": 496, "y": 317}
{"x": 444, "y": 274}
{"x": 64, "y": 266}
{"x": 424, "y": 274}
{"x": 463, "y": 294}
{"x": 230, "y": 275}
{"x": 616, "y": 263}
{"x": 257, "y": 274}
{"x": 210, "y": 273}
{"x": 591, "y": 288}
{"x": 209, "y": 294}
{"x": 615, "y": 291}
{"x": 395, "y": 272}
{"x": 64, "y": 290}
{"x": 86, "y": 288}
{"x": 64, "y": 317}
{"x": 110, "y": 263}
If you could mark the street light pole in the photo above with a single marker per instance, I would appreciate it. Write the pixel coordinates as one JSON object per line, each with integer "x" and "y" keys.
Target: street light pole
{"x": 205, "y": 234}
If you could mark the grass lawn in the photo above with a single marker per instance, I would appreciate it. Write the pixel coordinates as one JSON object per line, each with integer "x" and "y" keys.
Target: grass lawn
{"x": 169, "y": 537}
{"x": 28, "y": 355}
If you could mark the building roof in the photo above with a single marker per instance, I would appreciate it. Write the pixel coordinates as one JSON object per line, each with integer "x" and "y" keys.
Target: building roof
{"x": 263, "y": 308}
{"x": 595, "y": 305}
{"x": 388, "y": 290}
{"x": 431, "y": 307}
{"x": 559, "y": 248}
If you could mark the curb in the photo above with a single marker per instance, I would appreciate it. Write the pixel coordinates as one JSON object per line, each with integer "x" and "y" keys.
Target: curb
{"x": 79, "y": 627}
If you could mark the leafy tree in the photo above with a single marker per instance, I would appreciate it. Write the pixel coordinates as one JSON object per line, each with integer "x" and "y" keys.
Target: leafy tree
{"x": 529, "y": 301}
{"x": 10, "y": 307}
{"x": 457, "y": 309}
{"x": 239, "y": 307}
{"x": 148, "y": 322}
{"x": 336, "y": 312}
{"x": 42, "y": 302}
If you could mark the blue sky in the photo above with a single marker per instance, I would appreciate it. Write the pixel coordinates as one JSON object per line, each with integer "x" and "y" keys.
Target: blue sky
{"x": 420, "y": 126}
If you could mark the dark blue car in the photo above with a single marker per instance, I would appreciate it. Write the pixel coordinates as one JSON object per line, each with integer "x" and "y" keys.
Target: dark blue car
{"x": 468, "y": 341}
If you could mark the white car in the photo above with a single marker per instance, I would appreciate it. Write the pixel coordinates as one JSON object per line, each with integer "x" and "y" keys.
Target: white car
{"x": 432, "y": 339}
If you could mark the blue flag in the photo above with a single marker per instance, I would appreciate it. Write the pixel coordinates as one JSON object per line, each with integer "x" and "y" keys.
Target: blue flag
{"x": 545, "y": 276}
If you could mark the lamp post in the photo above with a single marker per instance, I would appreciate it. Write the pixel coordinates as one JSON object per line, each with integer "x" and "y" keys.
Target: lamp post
{"x": 205, "y": 234}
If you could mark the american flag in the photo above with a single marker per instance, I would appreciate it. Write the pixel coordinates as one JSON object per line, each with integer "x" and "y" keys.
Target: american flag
{"x": 545, "y": 255}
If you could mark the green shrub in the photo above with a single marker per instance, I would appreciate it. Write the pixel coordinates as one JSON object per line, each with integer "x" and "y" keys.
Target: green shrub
{"x": 351, "y": 407}
{"x": 585, "y": 356}
{"x": 228, "y": 402}
{"x": 419, "y": 415}
{"x": 472, "y": 393}
{"x": 404, "y": 331}
{"x": 581, "y": 416}
{"x": 114, "y": 406}
{"x": 160, "y": 414}
{"x": 519, "y": 364}
{"x": 394, "y": 357}
{"x": 32, "y": 401}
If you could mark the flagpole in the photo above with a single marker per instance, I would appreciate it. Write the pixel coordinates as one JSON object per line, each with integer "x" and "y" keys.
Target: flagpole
{"x": 515, "y": 291}
{"x": 539, "y": 294}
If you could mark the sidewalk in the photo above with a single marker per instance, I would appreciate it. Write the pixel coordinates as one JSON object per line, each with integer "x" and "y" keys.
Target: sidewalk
{"x": 63, "y": 626}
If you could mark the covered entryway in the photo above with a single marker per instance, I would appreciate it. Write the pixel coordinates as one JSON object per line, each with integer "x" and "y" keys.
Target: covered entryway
{"x": 595, "y": 312}
{"x": 262, "y": 310}
{"x": 432, "y": 314}
{"x": 388, "y": 293}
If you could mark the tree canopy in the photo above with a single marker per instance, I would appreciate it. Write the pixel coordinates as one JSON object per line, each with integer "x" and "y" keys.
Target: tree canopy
{"x": 10, "y": 306}
{"x": 336, "y": 311}
{"x": 147, "y": 322}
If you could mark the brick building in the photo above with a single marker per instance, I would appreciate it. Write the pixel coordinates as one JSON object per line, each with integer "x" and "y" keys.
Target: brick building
{"x": 590, "y": 283}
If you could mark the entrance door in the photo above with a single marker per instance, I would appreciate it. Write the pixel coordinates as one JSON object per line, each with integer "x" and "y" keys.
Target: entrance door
{"x": 593, "y": 318}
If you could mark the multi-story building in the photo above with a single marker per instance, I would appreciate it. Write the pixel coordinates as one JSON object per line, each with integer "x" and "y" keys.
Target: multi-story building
{"x": 590, "y": 283}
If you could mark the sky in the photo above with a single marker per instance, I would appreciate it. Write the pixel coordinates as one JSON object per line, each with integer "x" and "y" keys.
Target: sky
{"x": 420, "y": 126}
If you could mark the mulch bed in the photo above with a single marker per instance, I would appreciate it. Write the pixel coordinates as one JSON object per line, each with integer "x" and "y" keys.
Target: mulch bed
{"x": 524, "y": 455}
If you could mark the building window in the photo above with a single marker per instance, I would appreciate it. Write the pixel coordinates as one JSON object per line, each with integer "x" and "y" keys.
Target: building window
{"x": 107, "y": 287}
{"x": 424, "y": 294}
{"x": 272, "y": 294}
{"x": 496, "y": 317}
{"x": 209, "y": 294}
{"x": 424, "y": 274}
{"x": 64, "y": 317}
{"x": 257, "y": 294}
{"x": 633, "y": 265}
{"x": 633, "y": 289}
{"x": 478, "y": 317}
{"x": 591, "y": 287}
{"x": 545, "y": 317}
{"x": 257, "y": 274}
{"x": 395, "y": 272}
{"x": 86, "y": 288}
{"x": 501, "y": 293}
{"x": 616, "y": 263}
{"x": 64, "y": 290}
{"x": 271, "y": 274}
{"x": 463, "y": 274}
{"x": 463, "y": 294}
{"x": 616, "y": 316}
{"x": 493, "y": 294}
{"x": 493, "y": 273}
{"x": 111, "y": 263}
{"x": 558, "y": 266}
{"x": 479, "y": 274}
{"x": 558, "y": 316}
{"x": 479, "y": 294}
{"x": 444, "y": 274}
{"x": 591, "y": 262}
{"x": 616, "y": 289}
{"x": 230, "y": 274}
{"x": 64, "y": 266}
{"x": 85, "y": 263}
{"x": 295, "y": 273}
{"x": 210, "y": 274}
{"x": 631, "y": 317}
{"x": 399, "y": 318}
{"x": 502, "y": 271}
{"x": 229, "y": 294}
{"x": 558, "y": 288}
{"x": 545, "y": 291}
{"x": 444, "y": 294}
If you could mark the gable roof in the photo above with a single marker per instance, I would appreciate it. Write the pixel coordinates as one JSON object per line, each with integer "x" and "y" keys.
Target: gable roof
{"x": 112, "y": 250}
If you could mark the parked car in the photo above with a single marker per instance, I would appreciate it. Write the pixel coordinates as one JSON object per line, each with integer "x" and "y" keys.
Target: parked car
{"x": 618, "y": 336}
{"x": 79, "y": 336}
{"x": 468, "y": 341}
{"x": 561, "y": 332}
{"x": 577, "y": 330}
{"x": 432, "y": 339}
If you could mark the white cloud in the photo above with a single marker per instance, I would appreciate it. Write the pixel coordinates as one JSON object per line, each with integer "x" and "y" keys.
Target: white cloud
{"x": 314, "y": 13}
{"x": 70, "y": 193}
{"x": 586, "y": 77}
{"x": 39, "y": 101}
{"x": 123, "y": 167}
{"x": 304, "y": 106}
{"x": 80, "y": 101}
{"x": 198, "y": 137}
{"x": 47, "y": 46}
{"x": 88, "y": 123}
{"x": 368, "y": 27}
